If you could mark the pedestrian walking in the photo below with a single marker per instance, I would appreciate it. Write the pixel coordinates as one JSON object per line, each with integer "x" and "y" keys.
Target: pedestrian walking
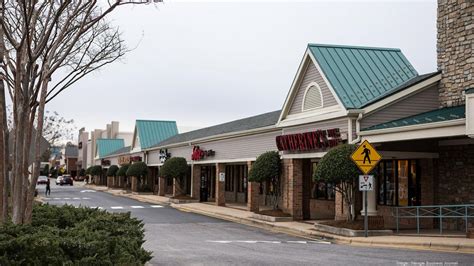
{"x": 48, "y": 188}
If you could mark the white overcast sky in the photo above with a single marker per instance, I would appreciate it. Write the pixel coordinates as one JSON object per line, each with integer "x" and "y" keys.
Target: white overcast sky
{"x": 206, "y": 62}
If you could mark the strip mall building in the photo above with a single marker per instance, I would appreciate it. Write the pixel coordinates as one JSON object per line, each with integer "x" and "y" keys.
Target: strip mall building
{"x": 421, "y": 124}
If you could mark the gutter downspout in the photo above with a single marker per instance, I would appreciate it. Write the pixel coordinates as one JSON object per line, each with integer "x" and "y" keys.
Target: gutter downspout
{"x": 357, "y": 139}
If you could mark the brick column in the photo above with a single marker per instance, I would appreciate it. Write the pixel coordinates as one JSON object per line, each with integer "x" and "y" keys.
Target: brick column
{"x": 110, "y": 181}
{"x": 134, "y": 183}
{"x": 161, "y": 186}
{"x": 253, "y": 203}
{"x": 196, "y": 181}
{"x": 220, "y": 186}
{"x": 293, "y": 175}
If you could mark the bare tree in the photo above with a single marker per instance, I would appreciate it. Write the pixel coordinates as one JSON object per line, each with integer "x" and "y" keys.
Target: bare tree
{"x": 39, "y": 38}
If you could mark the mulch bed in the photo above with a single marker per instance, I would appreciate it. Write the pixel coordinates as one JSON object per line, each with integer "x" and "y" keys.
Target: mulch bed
{"x": 274, "y": 213}
{"x": 354, "y": 225}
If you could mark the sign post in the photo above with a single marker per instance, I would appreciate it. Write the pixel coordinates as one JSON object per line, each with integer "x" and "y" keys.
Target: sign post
{"x": 366, "y": 158}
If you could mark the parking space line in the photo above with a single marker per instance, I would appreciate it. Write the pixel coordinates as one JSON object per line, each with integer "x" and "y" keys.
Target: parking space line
{"x": 137, "y": 207}
{"x": 116, "y": 207}
{"x": 156, "y": 206}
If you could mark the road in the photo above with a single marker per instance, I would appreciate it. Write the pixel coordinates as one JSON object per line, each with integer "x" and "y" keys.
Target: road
{"x": 182, "y": 238}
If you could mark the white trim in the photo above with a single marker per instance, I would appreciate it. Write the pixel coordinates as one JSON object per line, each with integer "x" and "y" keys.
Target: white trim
{"x": 470, "y": 115}
{"x": 414, "y": 127}
{"x": 292, "y": 91}
{"x": 452, "y": 129}
{"x": 408, "y": 155}
{"x": 312, "y": 118}
{"x": 303, "y": 155}
{"x": 398, "y": 96}
{"x": 312, "y": 84}
{"x": 238, "y": 160}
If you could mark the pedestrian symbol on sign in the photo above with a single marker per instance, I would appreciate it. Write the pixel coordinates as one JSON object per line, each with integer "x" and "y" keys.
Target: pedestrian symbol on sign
{"x": 366, "y": 157}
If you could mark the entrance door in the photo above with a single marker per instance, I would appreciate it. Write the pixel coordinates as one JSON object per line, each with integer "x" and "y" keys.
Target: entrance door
{"x": 307, "y": 175}
{"x": 208, "y": 182}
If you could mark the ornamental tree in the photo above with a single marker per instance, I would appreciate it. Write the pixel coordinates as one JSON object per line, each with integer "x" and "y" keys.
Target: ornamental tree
{"x": 137, "y": 169}
{"x": 96, "y": 170}
{"x": 175, "y": 168}
{"x": 267, "y": 167}
{"x": 337, "y": 167}
{"x": 82, "y": 172}
{"x": 112, "y": 171}
{"x": 123, "y": 170}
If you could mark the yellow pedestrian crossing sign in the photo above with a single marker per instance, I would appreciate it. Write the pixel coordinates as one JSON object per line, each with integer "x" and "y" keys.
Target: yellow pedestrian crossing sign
{"x": 366, "y": 157}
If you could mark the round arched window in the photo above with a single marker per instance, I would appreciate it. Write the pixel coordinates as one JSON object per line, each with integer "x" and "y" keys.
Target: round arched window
{"x": 313, "y": 98}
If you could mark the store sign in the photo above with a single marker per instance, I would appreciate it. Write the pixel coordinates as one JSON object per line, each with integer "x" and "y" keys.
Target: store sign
{"x": 315, "y": 140}
{"x": 164, "y": 155}
{"x": 124, "y": 160}
{"x": 199, "y": 154}
{"x": 105, "y": 162}
{"x": 135, "y": 158}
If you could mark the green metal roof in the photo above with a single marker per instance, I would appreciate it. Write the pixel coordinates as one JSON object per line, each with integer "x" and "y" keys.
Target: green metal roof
{"x": 438, "y": 115}
{"x": 151, "y": 132}
{"x": 108, "y": 146}
{"x": 362, "y": 74}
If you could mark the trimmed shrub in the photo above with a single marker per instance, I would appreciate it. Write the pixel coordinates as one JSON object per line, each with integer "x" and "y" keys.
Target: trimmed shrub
{"x": 175, "y": 167}
{"x": 82, "y": 172}
{"x": 96, "y": 170}
{"x": 88, "y": 170}
{"x": 74, "y": 236}
{"x": 337, "y": 167}
{"x": 112, "y": 171}
{"x": 138, "y": 169}
{"x": 123, "y": 170}
{"x": 266, "y": 167}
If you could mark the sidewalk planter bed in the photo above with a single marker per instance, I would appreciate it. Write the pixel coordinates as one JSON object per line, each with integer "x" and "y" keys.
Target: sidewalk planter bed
{"x": 269, "y": 218}
{"x": 183, "y": 201}
{"x": 349, "y": 232}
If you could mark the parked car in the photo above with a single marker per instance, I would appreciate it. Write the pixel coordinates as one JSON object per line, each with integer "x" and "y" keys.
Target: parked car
{"x": 59, "y": 180}
{"x": 42, "y": 180}
{"x": 67, "y": 180}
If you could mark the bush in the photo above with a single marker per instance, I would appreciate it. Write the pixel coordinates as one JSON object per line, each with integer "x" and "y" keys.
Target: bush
{"x": 266, "y": 167}
{"x": 137, "y": 169}
{"x": 112, "y": 171}
{"x": 337, "y": 167}
{"x": 88, "y": 170}
{"x": 67, "y": 235}
{"x": 123, "y": 170}
{"x": 82, "y": 172}
{"x": 175, "y": 167}
{"x": 96, "y": 170}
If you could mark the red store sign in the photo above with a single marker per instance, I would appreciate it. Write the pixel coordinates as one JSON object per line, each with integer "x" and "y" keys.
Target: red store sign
{"x": 199, "y": 154}
{"x": 315, "y": 140}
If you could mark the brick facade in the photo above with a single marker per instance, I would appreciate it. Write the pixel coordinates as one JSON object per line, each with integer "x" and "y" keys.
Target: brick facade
{"x": 220, "y": 186}
{"x": 196, "y": 180}
{"x": 292, "y": 188}
{"x": 455, "y": 49}
{"x": 161, "y": 186}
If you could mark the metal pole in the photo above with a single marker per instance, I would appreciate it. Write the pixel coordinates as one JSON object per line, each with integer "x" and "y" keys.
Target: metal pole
{"x": 397, "y": 218}
{"x": 366, "y": 219}
{"x": 417, "y": 220}
{"x": 440, "y": 221}
{"x": 465, "y": 217}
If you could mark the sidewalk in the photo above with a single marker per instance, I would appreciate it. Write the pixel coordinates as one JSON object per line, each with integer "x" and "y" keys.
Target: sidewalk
{"x": 306, "y": 230}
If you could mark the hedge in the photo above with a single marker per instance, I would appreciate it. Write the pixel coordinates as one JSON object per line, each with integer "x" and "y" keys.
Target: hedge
{"x": 112, "y": 171}
{"x": 123, "y": 170}
{"x": 74, "y": 236}
{"x": 137, "y": 169}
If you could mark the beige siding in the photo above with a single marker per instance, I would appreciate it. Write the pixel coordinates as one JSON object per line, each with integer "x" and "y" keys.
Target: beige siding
{"x": 340, "y": 123}
{"x": 153, "y": 157}
{"x": 241, "y": 147}
{"x": 424, "y": 101}
{"x": 184, "y": 152}
{"x": 311, "y": 75}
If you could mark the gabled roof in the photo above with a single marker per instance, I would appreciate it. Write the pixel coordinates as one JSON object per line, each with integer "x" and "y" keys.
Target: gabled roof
{"x": 438, "y": 115}
{"x": 253, "y": 122}
{"x": 151, "y": 132}
{"x": 107, "y": 146}
{"x": 359, "y": 75}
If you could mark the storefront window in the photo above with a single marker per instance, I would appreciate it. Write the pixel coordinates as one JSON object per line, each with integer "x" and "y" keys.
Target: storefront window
{"x": 236, "y": 178}
{"x": 398, "y": 183}
{"x": 321, "y": 190}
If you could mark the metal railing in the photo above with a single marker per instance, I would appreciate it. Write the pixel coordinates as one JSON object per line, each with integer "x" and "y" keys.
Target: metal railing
{"x": 434, "y": 211}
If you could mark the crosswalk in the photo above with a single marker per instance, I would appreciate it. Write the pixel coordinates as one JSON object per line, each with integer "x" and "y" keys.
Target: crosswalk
{"x": 125, "y": 207}
{"x": 267, "y": 242}
{"x": 75, "y": 198}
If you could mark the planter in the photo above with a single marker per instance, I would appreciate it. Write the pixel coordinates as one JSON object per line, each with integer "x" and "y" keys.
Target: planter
{"x": 349, "y": 232}
{"x": 271, "y": 218}
{"x": 182, "y": 201}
